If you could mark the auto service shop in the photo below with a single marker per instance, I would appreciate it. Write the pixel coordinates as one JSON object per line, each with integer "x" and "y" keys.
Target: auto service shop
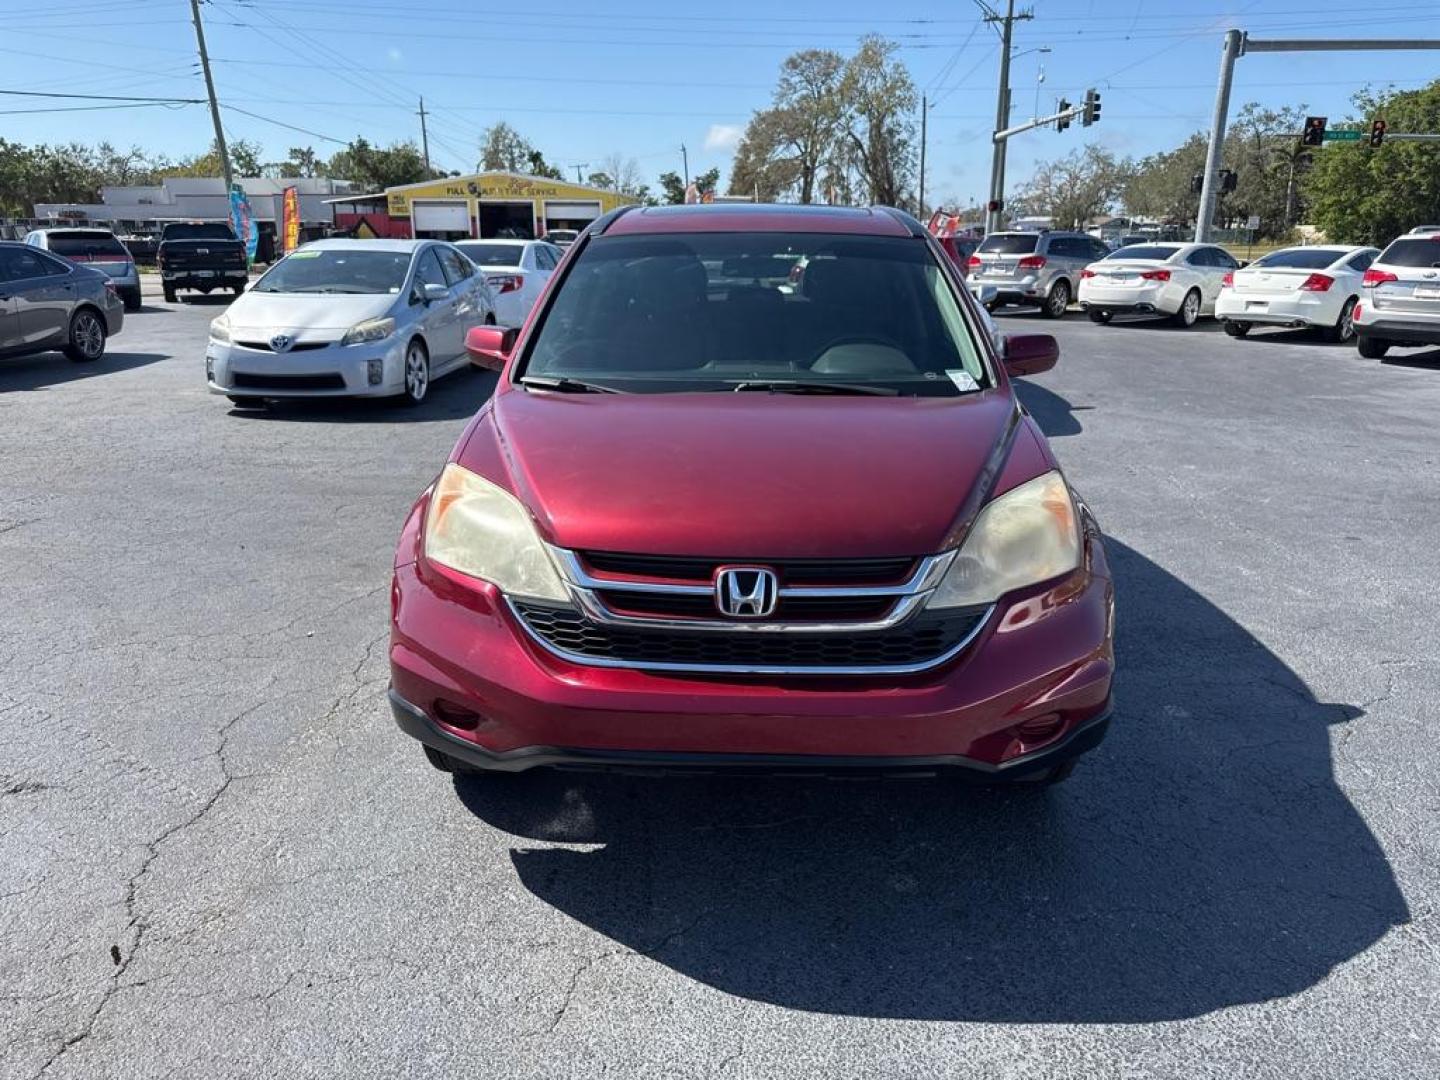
{"x": 492, "y": 204}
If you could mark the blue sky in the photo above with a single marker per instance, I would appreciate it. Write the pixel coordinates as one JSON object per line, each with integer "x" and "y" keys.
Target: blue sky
{"x": 642, "y": 77}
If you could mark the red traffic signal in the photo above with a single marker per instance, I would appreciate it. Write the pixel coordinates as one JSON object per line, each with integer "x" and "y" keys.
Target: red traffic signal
{"x": 1377, "y": 132}
{"x": 1314, "y": 133}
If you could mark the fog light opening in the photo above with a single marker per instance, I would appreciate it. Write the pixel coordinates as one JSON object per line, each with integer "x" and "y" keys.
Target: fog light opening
{"x": 375, "y": 371}
{"x": 1030, "y": 735}
{"x": 455, "y": 716}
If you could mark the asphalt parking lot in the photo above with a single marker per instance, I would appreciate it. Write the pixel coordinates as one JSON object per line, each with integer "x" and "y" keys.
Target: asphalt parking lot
{"x": 218, "y": 858}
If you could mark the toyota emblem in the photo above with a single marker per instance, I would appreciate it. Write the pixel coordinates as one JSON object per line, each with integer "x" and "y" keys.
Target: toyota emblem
{"x": 281, "y": 342}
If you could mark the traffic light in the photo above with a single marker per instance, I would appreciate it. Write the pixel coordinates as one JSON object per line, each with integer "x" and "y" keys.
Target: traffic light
{"x": 1314, "y": 133}
{"x": 1377, "y": 132}
{"x": 995, "y": 205}
{"x": 1228, "y": 181}
{"x": 1063, "y": 122}
{"x": 1092, "y": 109}
{"x": 1197, "y": 183}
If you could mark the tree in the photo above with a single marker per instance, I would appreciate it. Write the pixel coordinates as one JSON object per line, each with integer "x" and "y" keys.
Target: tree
{"x": 1159, "y": 186}
{"x": 536, "y": 165}
{"x": 623, "y": 173}
{"x": 1078, "y": 187}
{"x": 881, "y": 103}
{"x": 245, "y": 160}
{"x": 674, "y": 188}
{"x": 760, "y": 166}
{"x": 376, "y": 168}
{"x": 302, "y": 162}
{"x": 1363, "y": 195}
{"x": 503, "y": 149}
{"x": 600, "y": 180}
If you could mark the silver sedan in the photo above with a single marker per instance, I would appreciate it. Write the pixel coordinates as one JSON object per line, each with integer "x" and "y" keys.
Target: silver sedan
{"x": 49, "y": 303}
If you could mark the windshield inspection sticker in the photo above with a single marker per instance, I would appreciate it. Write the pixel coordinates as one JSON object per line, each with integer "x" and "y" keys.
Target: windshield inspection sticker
{"x": 962, "y": 379}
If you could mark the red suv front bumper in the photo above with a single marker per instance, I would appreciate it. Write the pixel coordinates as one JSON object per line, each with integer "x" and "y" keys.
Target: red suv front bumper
{"x": 1032, "y": 689}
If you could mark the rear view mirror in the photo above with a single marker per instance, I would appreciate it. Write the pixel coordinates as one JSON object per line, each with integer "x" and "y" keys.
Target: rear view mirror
{"x": 490, "y": 346}
{"x": 1030, "y": 354}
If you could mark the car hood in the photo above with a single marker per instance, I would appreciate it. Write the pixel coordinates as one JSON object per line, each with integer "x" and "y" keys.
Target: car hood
{"x": 274, "y": 312}
{"x": 746, "y": 475}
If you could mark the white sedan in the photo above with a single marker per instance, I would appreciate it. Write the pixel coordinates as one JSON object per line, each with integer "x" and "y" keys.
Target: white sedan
{"x": 1181, "y": 281}
{"x": 1294, "y": 287}
{"x": 518, "y": 271}
{"x": 349, "y": 318}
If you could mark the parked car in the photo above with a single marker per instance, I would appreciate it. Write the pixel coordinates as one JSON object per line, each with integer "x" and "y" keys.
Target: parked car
{"x": 518, "y": 271}
{"x": 959, "y": 248}
{"x": 1181, "y": 281}
{"x": 1299, "y": 286}
{"x": 98, "y": 249}
{"x": 1424, "y": 230}
{"x": 709, "y": 525}
{"x": 1400, "y": 304}
{"x": 1032, "y": 268}
{"x": 49, "y": 303}
{"x": 357, "y": 318}
{"x": 562, "y": 238}
{"x": 1131, "y": 240}
{"x": 201, "y": 255}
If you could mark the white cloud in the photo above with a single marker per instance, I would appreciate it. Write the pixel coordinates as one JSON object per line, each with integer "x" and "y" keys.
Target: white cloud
{"x": 723, "y": 136}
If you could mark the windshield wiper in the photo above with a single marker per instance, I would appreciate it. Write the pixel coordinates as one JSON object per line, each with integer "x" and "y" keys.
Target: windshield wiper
{"x": 566, "y": 385}
{"x": 809, "y": 386}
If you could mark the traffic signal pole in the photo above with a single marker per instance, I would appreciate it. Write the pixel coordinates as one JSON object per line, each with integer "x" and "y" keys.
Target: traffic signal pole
{"x": 1237, "y": 44}
{"x": 995, "y": 218}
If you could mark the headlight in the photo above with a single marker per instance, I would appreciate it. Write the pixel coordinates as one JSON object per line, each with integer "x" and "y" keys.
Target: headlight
{"x": 479, "y": 529}
{"x": 369, "y": 330}
{"x": 1026, "y": 536}
{"x": 220, "y": 329}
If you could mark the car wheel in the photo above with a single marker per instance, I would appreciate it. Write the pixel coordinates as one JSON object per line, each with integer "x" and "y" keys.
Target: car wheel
{"x": 245, "y": 401}
{"x": 1189, "y": 309}
{"x": 1101, "y": 317}
{"x": 1057, "y": 300}
{"x": 238, "y": 290}
{"x": 1236, "y": 329}
{"x": 1372, "y": 348}
{"x": 417, "y": 373}
{"x": 170, "y": 297}
{"x": 1344, "y": 328}
{"x": 132, "y": 300}
{"x": 991, "y": 306}
{"x": 86, "y": 342}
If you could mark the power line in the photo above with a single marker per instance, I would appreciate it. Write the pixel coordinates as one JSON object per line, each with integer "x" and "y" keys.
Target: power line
{"x": 283, "y": 124}
{"x": 89, "y": 108}
{"x": 104, "y": 97}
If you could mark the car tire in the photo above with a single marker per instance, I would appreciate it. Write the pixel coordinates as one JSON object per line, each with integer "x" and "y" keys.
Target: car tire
{"x": 1344, "y": 328}
{"x": 246, "y": 401}
{"x": 1189, "y": 310}
{"x": 170, "y": 297}
{"x": 1372, "y": 348}
{"x": 238, "y": 290}
{"x": 85, "y": 342}
{"x": 416, "y": 373}
{"x": 1235, "y": 329}
{"x": 132, "y": 299}
{"x": 991, "y": 307}
{"x": 1057, "y": 300}
{"x": 1100, "y": 318}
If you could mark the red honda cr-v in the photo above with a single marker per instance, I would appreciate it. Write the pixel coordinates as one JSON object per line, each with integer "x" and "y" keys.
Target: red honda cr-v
{"x": 754, "y": 490}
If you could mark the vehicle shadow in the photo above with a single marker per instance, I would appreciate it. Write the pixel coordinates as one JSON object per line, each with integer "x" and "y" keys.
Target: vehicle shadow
{"x": 1295, "y": 336}
{"x": 456, "y": 396}
{"x": 1204, "y": 325}
{"x": 40, "y": 371}
{"x": 1203, "y": 857}
{"x": 1055, "y": 415}
{"x": 1428, "y": 360}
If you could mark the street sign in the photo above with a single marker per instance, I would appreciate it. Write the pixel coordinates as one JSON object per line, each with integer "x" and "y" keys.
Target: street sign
{"x": 1344, "y": 136}
{"x": 1253, "y": 221}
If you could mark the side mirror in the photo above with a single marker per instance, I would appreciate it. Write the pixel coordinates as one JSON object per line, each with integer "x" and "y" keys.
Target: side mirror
{"x": 1243, "y": 263}
{"x": 490, "y": 346}
{"x": 431, "y": 292}
{"x": 1030, "y": 354}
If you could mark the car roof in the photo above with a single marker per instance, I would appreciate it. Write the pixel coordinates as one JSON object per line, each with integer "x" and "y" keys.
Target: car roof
{"x": 74, "y": 228}
{"x": 758, "y": 217}
{"x": 514, "y": 241}
{"x": 340, "y": 243}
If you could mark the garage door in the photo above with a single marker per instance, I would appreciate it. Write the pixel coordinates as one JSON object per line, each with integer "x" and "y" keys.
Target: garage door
{"x": 441, "y": 217}
{"x": 572, "y": 211}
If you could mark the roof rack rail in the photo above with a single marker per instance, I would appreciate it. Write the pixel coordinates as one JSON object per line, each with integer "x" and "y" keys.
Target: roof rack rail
{"x": 910, "y": 223}
{"x": 604, "y": 221}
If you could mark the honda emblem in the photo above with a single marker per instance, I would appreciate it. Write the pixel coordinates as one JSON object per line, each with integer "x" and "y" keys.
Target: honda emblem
{"x": 746, "y": 592}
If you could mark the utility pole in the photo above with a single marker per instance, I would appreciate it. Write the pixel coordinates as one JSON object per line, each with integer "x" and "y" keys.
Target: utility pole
{"x": 424, "y": 136}
{"x": 1238, "y": 44}
{"x": 214, "y": 105}
{"x": 578, "y": 178}
{"x": 995, "y": 210}
{"x": 685, "y": 160}
{"x": 924, "y": 113}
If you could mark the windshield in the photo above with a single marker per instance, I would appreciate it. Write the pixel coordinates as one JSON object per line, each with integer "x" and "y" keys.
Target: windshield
{"x": 87, "y": 246}
{"x": 331, "y": 270}
{"x": 200, "y": 231}
{"x": 728, "y": 311}
{"x": 1156, "y": 252}
{"x": 1009, "y": 243}
{"x": 1299, "y": 258}
{"x": 493, "y": 254}
{"x": 1412, "y": 253}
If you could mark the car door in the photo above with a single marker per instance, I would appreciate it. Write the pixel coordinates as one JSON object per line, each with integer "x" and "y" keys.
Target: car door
{"x": 467, "y": 294}
{"x": 1205, "y": 276}
{"x": 440, "y": 323}
{"x": 43, "y": 290}
{"x": 1221, "y": 263}
{"x": 9, "y": 306}
{"x": 1355, "y": 268}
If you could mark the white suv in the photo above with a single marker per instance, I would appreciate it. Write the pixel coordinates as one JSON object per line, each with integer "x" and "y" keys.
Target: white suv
{"x": 1401, "y": 301}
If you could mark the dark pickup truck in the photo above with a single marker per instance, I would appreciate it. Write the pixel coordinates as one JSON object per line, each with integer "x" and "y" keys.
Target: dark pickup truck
{"x": 200, "y": 255}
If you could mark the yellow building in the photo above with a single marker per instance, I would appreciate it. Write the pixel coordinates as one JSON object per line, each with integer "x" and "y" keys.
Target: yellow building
{"x": 495, "y": 204}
